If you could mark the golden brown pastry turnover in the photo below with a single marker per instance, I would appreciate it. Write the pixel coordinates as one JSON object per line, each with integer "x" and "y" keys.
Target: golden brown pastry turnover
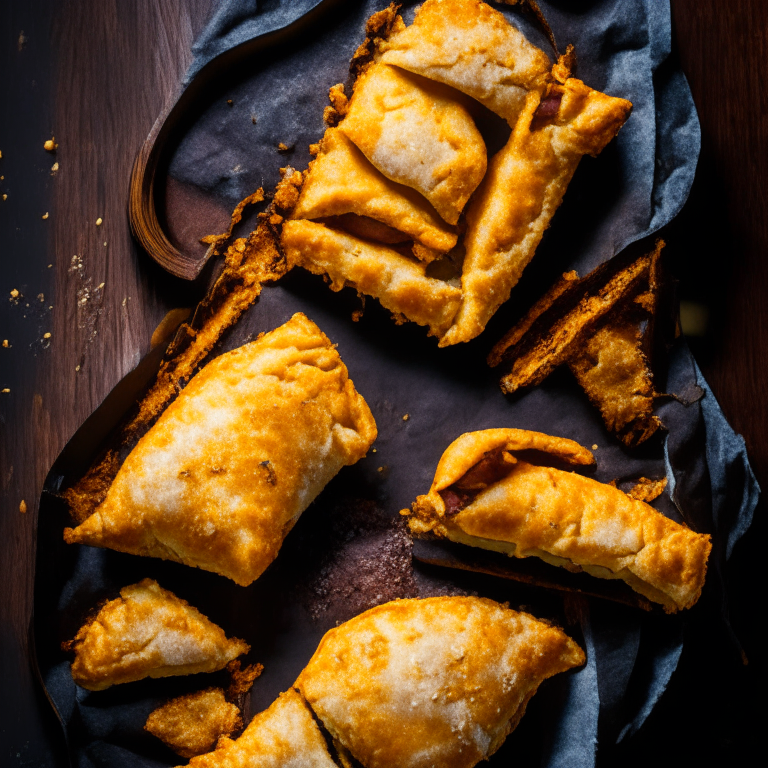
{"x": 417, "y": 133}
{"x": 148, "y": 632}
{"x": 230, "y": 465}
{"x": 470, "y": 46}
{"x": 283, "y": 736}
{"x": 341, "y": 180}
{"x": 191, "y": 725}
{"x": 523, "y": 188}
{"x": 485, "y": 496}
{"x": 399, "y": 282}
{"x": 440, "y": 681}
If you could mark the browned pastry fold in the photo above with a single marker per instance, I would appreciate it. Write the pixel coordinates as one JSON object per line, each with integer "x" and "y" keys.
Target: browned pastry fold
{"x": 418, "y": 134}
{"x": 341, "y": 181}
{"x": 191, "y": 725}
{"x": 521, "y": 191}
{"x": 485, "y": 494}
{"x": 231, "y": 464}
{"x": 148, "y": 632}
{"x": 283, "y": 736}
{"x": 399, "y": 282}
{"x": 440, "y": 681}
{"x": 470, "y": 46}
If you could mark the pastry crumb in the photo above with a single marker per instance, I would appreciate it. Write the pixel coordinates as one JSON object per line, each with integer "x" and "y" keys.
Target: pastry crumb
{"x": 5, "y": 343}
{"x": 99, "y": 221}
{"x": 230, "y": 103}
{"x": 6, "y": 391}
{"x": 374, "y": 450}
{"x": 45, "y": 215}
{"x": 15, "y": 293}
{"x": 54, "y": 168}
{"x": 49, "y": 266}
{"x": 406, "y": 417}
{"x": 5, "y": 197}
{"x": 594, "y": 447}
{"x": 281, "y": 147}
{"x": 77, "y": 368}
{"x": 46, "y": 335}
{"x": 50, "y": 145}
{"x": 23, "y": 506}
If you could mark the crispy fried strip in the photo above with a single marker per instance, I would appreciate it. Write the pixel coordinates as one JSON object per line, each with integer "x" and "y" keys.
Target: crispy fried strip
{"x": 570, "y": 332}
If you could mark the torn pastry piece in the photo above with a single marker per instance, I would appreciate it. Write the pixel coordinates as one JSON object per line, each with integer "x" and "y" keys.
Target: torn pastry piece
{"x": 342, "y": 181}
{"x": 417, "y": 133}
{"x": 486, "y": 494}
{"x": 602, "y": 327}
{"x": 399, "y": 282}
{"x": 524, "y": 186}
{"x": 440, "y": 681}
{"x": 472, "y": 47}
{"x": 283, "y": 736}
{"x": 228, "y": 468}
{"x": 191, "y": 725}
{"x": 148, "y": 632}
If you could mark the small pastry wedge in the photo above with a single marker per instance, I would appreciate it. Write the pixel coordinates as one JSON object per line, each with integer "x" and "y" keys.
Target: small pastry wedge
{"x": 490, "y": 492}
{"x": 470, "y": 46}
{"x": 191, "y": 725}
{"x": 524, "y": 186}
{"x": 399, "y": 282}
{"x": 148, "y": 632}
{"x": 342, "y": 181}
{"x": 417, "y": 133}
{"x": 435, "y": 682}
{"x": 283, "y": 736}
{"x": 224, "y": 474}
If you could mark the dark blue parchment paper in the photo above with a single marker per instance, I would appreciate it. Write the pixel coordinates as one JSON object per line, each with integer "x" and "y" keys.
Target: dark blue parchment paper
{"x": 633, "y": 189}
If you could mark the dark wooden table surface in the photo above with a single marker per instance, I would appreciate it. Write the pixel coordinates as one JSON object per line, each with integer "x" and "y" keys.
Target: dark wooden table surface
{"x": 95, "y": 74}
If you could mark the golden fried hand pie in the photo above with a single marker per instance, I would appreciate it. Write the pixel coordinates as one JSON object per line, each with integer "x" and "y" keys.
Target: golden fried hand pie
{"x": 440, "y": 681}
{"x": 523, "y": 188}
{"x": 470, "y": 46}
{"x": 191, "y": 725}
{"x": 148, "y": 632}
{"x": 399, "y": 282}
{"x": 417, "y": 133}
{"x": 341, "y": 180}
{"x": 283, "y": 736}
{"x": 485, "y": 496}
{"x": 230, "y": 465}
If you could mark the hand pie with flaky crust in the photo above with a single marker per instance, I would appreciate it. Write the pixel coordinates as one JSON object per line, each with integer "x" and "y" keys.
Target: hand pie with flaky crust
{"x": 148, "y": 632}
{"x": 283, "y": 736}
{"x": 417, "y": 133}
{"x": 230, "y": 465}
{"x": 524, "y": 186}
{"x": 434, "y": 682}
{"x": 486, "y": 494}
{"x": 470, "y": 46}
{"x": 340, "y": 180}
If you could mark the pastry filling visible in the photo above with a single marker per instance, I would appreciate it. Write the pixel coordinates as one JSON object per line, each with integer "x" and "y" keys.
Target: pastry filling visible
{"x": 492, "y": 467}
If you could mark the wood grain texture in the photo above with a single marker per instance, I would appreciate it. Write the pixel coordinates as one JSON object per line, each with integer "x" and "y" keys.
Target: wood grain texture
{"x": 96, "y": 75}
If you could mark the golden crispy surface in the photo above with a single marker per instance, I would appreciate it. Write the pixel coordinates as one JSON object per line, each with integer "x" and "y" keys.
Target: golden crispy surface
{"x": 341, "y": 180}
{"x": 148, "y": 632}
{"x": 417, "y": 134}
{"x": 434, "y": 682}
{"x": 465, "y": 451}
{"x": 522, "y": 190}
{"x": 400, "y": 283}
{"x": 615, "y": 374}
{"x": 191, "y": 725}
{"x": 249, "y": 443}
{"x": 546, "y": 512}
{"x": 470, "y": 46}
{"x": 283, "y": 736}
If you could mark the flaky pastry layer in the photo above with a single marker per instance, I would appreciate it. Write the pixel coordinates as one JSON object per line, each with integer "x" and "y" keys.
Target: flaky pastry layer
{"x": 227, "y": 469}
{"x": 148, "y": 632}
{"x": 399, "y": 282}
{"x": 470, "y": 46}
{"x": 418, "y": 134}
{"x": 341, "y": 180}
